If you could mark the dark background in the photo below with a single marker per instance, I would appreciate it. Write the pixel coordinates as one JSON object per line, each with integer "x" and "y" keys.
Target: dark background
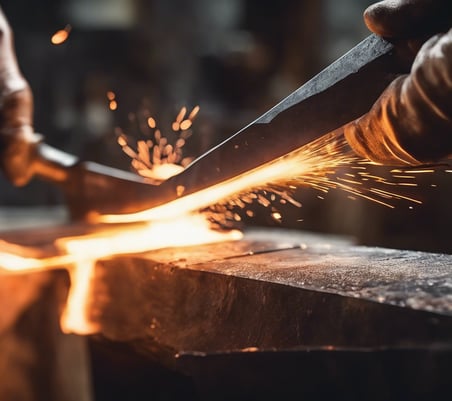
{"x": 235, "y": 58}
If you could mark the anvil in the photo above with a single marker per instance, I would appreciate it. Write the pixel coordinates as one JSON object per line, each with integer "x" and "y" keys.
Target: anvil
{"x": 285, "y": 315}
{"x": 278, "y": 313}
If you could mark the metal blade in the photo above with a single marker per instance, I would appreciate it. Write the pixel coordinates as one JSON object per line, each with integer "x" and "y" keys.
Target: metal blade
{"x": 339, "y": 94}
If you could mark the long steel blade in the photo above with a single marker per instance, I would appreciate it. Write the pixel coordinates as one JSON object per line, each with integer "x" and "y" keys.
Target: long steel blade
{"x": 341, "y": 93}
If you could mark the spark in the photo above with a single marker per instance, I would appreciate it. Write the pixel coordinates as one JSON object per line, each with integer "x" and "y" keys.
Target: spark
{"x": 277, "y": 216}
{"x": 407, "y": 184}
{"x": 390, "y": 194}
{"x": 421, "y": 171}
{"x": 181, "y": 114}
{"x": 151, "y": 122}
{"x": 405, "y": 176}
{"x": 159, "y": 158}
{"x": 112, "y": 103}
{"x": 193, "y": 113}
{"x": 350, "y": 181}
{"x": 74, "y": 317}
{"x": 185, "y": 125}
{"x": 61, "y": 36}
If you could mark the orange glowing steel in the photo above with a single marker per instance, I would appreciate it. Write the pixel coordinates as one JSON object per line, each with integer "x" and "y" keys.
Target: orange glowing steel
{"x": 80, "y": 253}
{"x": 183, "y": 231}
{"x": 74, "y": 318}
{"x": 61, "y": 36}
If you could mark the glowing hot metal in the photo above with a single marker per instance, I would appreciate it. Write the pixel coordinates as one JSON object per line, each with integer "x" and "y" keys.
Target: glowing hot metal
{"x": 80, "y": 253}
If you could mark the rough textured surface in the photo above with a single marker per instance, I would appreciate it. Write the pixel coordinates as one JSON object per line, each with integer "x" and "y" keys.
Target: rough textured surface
{"x": 307, "y": 321}
{"x": 274, "y": 289}
{"x": 279, "y": 313}
{"x": 417, "y": 280}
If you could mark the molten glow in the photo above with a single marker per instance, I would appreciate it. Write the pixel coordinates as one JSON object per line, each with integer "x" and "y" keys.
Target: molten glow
{"x": 80, "y": 253}
{"x": 184, "y": 231}
{"x": 74, "y": 318}
{"x": 61, "y": 36}
{"x": 161, "y": 172}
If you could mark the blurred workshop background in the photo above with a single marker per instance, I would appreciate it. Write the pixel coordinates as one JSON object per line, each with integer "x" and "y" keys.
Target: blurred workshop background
{"x": 235, "y": 58}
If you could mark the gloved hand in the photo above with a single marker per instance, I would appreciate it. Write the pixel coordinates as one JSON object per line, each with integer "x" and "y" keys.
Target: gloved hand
{"x": 17, "y": 137}
{"x": 411, "y": 122}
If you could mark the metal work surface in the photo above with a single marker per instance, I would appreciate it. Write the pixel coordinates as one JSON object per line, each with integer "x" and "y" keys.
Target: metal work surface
{"x": 283, "y": 315}
{"x": 278, "y": 314}
{"x": 417, "y": 280}
{"x": 294, "y": 290}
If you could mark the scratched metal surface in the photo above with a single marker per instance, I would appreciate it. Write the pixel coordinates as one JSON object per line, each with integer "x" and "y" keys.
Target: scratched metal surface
{"x": 417, "y": 280}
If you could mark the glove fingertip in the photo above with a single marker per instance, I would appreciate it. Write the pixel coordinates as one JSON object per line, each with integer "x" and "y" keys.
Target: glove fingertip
{"x": 379, "y": 19}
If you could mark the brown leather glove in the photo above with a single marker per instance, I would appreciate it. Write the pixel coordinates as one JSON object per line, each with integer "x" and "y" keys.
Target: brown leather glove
{"x": 412, "y": 120}
{"x": 17, "y": 137}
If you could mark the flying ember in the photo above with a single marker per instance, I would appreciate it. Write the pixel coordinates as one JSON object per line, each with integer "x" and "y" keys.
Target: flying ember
{"x": 61, "y": 36}
{"x": 156, "y": 157}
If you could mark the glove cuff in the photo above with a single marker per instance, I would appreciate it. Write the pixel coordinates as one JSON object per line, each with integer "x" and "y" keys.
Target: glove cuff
{"x": 386, "y": 150}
